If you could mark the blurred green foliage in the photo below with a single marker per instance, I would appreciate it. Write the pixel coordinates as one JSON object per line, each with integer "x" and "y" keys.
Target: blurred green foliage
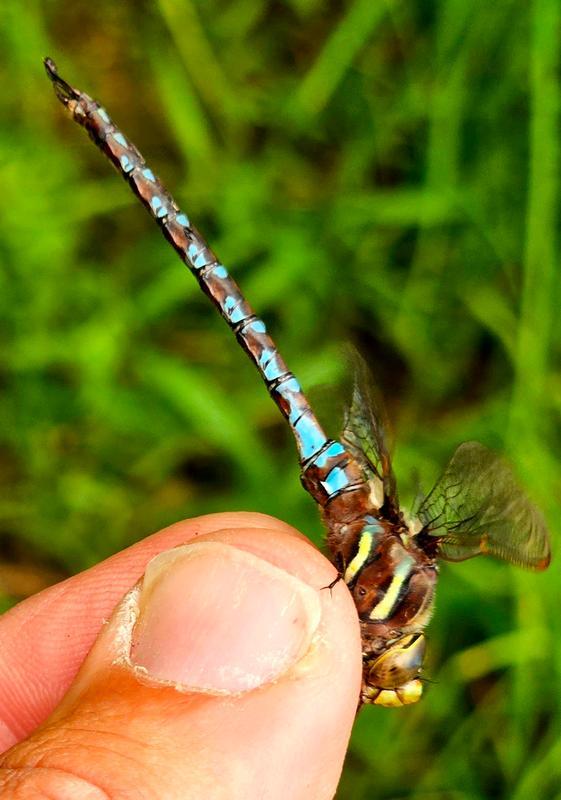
{"x": 384, "y": 172}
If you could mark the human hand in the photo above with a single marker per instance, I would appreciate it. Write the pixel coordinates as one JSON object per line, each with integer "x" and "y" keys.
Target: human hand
{"x": 242, "y": 681}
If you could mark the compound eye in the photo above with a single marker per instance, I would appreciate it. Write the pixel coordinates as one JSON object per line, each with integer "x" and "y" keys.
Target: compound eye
{"x": 400, "y": 664}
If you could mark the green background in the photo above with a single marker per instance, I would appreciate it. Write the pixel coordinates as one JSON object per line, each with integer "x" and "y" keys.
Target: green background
{"x": 380, "y": 172}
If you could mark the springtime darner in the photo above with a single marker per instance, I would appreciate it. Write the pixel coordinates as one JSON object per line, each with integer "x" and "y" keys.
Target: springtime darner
{"x": 387, "y": 559}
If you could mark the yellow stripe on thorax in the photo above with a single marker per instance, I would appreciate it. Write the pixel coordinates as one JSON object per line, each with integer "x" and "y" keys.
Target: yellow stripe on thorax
{"x": 383, "y": 609}
{"x": 364, "y": 547}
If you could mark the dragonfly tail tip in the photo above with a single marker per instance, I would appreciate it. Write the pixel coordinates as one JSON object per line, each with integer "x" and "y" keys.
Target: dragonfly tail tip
{"x": 50, "y": 67}
{"x": 63, "y": 90}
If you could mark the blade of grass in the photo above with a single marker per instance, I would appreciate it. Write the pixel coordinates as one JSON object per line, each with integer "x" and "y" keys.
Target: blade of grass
{"x": 541, "y": 256}
{"x": 338, "y": 53}
{"x": 195, "y": 50}
{"x": 195, "y": 397}
{"x": 527, "y": 434}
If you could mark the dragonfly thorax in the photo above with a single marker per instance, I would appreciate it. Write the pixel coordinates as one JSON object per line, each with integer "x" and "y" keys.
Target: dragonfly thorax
{"x": 392, "y": 582}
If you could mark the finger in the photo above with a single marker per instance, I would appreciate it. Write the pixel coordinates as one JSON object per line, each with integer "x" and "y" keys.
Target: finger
{"x": 239, "y": 679}
{"x": 44, "y": 639}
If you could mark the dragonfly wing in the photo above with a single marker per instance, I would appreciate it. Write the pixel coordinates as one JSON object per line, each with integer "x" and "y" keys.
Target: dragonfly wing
{"x": 363, "y": 431}
{"x": 478, "y": 507}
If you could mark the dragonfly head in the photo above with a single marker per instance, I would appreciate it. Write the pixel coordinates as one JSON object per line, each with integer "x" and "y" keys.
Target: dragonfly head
{"x": 392, "y": 679}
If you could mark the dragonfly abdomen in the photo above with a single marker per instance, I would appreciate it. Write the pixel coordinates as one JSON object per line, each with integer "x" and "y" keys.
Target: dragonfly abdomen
{"x": 328, "y": 469}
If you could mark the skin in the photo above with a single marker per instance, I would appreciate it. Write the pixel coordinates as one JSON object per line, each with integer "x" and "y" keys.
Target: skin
{"x": 75, "y": 724}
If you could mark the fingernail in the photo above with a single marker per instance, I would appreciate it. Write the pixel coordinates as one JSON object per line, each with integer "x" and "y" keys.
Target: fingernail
{"x": 216, "y": 618}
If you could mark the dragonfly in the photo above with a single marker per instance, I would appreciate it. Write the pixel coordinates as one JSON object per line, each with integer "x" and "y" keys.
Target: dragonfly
{"x": 388, "y": 558}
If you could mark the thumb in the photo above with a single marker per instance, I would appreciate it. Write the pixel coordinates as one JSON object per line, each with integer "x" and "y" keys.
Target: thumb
{"x": 227, "y": 672}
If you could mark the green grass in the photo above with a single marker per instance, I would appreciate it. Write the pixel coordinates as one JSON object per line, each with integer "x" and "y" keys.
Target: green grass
{"x": 384, "y": 172}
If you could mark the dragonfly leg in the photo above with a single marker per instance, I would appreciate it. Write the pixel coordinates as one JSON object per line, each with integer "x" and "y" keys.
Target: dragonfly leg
{"x": 333, "y": 583}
